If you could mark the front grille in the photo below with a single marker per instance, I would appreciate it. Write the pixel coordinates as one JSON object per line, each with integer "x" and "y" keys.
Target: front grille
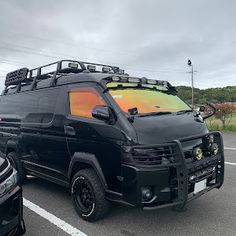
{"x": 6, "y": 172}
{"x": 3, "y": 166}
{"x": 152, "y": 157}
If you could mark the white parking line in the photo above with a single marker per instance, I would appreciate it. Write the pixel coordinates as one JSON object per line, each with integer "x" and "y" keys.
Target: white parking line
{"x": 230, "y": 163}
{"x": 230, "y": 148}
{"x": 53, "y": 219}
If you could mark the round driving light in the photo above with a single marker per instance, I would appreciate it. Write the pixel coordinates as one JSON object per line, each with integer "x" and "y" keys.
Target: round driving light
{"x": 215, "y": 149}
{"x": 198, "y": 153}
{"x": 146, "y": 194}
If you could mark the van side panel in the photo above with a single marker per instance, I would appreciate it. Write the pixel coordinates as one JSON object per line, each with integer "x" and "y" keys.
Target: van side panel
{"x": 34, "y": 120}
{"x": 98, "y": 138}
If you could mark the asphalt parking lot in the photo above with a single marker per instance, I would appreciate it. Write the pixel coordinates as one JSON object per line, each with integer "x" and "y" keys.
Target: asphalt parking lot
{"x": 212, "y": 214}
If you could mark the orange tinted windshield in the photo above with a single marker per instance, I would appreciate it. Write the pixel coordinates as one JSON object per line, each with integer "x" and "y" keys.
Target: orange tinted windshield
{"x": 146, "y": 100}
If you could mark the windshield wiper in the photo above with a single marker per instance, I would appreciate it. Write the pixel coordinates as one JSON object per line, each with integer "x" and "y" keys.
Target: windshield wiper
{"x": 155, "y": 113}
{"x": 183, "y": 111}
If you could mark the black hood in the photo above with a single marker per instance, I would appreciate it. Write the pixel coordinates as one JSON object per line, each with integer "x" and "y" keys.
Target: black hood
{"x": 165, "y": 128}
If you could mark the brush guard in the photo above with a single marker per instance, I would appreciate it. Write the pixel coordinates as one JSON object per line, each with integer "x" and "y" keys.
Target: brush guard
{"x": 184, "y": 169}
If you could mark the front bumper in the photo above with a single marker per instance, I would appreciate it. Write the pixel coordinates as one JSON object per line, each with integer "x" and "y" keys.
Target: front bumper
{"x": 171, "y": 183}
{"x": 11, "y": 213}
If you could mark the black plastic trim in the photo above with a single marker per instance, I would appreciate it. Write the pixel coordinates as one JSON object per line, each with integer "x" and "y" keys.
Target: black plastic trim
{"x": 90, "y": 159}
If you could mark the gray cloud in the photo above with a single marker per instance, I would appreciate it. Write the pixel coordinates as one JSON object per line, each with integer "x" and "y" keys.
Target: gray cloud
{"x": 147, "y": 38}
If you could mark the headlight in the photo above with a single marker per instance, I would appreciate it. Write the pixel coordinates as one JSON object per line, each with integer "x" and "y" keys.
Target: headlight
{"x": 9, "y": 183}
{"x": 197, "y": 152}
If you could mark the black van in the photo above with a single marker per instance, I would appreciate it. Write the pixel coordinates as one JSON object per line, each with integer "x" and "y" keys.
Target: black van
{"x": 11, "y": 202}
{"x": 108, "y": 136}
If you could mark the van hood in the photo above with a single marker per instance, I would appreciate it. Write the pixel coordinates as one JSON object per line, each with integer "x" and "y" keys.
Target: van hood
{"x": 165, "y": 128}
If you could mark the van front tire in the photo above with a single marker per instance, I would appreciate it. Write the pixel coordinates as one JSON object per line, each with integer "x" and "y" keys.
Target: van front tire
{"x": 16, "y": 163}
{"x": 88, "y": 195}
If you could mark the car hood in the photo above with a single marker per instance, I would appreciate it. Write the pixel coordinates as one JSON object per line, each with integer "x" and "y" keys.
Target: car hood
{"x": 166, "y": 128}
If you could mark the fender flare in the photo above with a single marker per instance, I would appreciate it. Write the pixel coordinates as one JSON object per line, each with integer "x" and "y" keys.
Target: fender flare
{"x": 11, "y": 145}
{"x": 89, "y": 159}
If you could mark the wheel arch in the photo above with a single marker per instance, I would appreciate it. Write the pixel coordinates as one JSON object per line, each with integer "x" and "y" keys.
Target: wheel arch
{"x": 81, "y": 161}
{"x": 11, "y": 146}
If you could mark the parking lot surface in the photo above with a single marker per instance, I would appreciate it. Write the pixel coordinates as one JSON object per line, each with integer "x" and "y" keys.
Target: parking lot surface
{"x": 212, "y": 214}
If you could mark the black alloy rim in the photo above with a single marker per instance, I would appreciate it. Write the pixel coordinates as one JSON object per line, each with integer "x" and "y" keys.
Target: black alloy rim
{"x": 83, "y": 195}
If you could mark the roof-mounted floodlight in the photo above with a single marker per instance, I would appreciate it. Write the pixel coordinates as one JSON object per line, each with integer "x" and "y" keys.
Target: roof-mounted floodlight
{"x": 106, "y": 69}
{"x": 115, "y": 78}
{"x": 73, "y": 65}
{"x": 91, "y": 68}
{"x": 143, "y": 80}
{"x": 151, "y": 81}
{"x": 165, "y": 83}
{"x": 133, "y": 80}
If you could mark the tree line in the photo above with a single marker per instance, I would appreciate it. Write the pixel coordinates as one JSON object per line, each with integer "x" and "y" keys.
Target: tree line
{"x": 213, "y": 95}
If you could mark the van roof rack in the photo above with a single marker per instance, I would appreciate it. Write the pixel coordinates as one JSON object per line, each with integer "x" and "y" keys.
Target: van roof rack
{"x": 51, "y": 70}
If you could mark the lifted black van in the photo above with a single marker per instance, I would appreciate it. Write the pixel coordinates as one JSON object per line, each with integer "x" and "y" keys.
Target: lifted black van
{"x": 108, "y": 136}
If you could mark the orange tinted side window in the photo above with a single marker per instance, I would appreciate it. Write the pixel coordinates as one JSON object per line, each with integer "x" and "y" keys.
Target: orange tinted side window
{"x": 83, "y": 100}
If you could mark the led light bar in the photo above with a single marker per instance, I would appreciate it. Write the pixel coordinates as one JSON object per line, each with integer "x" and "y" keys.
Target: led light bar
{"x": 141, "y": 81}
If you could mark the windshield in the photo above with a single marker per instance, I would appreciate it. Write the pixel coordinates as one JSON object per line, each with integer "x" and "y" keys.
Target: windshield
{"x": 147, "y": 100}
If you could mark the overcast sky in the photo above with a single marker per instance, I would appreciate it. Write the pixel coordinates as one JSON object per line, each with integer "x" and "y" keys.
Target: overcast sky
{"x": 149, "y": 38}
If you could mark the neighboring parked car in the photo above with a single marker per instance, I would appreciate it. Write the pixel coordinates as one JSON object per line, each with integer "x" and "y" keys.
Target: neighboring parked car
{"x": 11, "y": 215}
{"x": 108, "y": 136}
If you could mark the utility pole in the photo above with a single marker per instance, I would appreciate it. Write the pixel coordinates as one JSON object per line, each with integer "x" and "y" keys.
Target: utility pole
{"x": 192, "y": 71}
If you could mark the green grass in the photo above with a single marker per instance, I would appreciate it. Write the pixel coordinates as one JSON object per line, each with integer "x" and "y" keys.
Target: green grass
{"x": 216, "y": 125}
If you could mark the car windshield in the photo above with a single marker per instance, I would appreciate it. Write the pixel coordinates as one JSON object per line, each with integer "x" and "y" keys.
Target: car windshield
{"x": 146, "y": 100}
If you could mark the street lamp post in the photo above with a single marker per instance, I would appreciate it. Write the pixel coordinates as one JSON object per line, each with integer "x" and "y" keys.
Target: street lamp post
{"x": 192, "y": 71}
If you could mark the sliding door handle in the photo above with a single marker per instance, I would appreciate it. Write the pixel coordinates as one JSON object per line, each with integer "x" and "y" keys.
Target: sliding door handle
{"x": 69, "y": 130}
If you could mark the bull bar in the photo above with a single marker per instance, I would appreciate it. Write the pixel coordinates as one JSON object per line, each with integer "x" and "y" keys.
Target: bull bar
{"x": 183, "y": 169}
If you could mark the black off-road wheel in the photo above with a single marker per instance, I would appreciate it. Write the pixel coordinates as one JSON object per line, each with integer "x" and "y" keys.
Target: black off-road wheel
{"x": 16, "y": 163}
{"x": 88, "y": 195}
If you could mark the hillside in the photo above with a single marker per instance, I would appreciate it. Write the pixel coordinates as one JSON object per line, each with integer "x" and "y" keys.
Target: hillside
{"x": 214, "y": 95}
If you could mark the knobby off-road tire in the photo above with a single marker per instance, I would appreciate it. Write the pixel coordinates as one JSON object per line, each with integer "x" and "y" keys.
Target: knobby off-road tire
{"x": 16, "y": 163}
{"x": 88, "y": 195}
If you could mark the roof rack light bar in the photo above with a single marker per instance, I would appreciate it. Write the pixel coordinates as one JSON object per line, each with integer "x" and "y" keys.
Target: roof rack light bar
{"x": 55, "y": 68}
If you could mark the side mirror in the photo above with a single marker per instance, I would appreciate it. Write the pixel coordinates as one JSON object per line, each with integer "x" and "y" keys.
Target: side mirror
{"x": 212, "y": 112}
{"x": 102, "y": 113}
{"x": 202, "y": 109}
